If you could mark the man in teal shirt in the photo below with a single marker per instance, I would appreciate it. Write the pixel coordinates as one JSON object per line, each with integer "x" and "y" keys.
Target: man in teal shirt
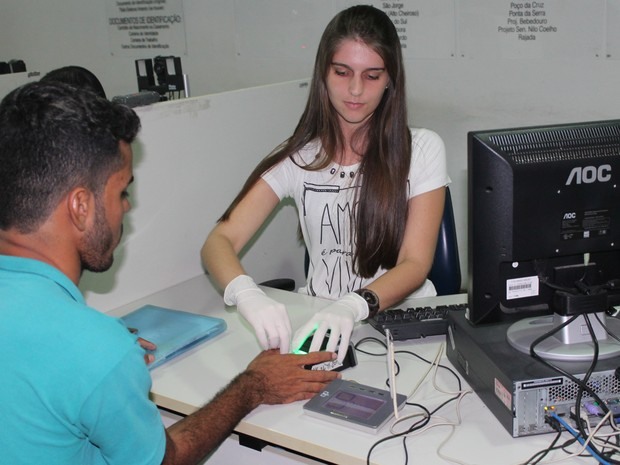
{"x": 74, "y": 385}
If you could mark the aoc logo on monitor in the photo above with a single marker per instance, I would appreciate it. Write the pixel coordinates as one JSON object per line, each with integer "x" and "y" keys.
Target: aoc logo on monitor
{"x": 589, "y": 174}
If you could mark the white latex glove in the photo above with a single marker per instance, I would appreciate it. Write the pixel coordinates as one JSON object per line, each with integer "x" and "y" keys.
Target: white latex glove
{"x": 339, "y": 318}
{"x": 268, "y": 318}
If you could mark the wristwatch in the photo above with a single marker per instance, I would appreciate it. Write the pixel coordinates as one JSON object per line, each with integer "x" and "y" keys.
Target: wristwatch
{"x": 371, "y": 299}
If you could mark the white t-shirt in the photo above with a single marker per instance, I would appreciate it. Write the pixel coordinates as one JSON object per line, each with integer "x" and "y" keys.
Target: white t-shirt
{"x": 325, "y": 203}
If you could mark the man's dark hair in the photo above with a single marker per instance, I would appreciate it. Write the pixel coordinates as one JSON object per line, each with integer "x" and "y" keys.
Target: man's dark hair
{"x": 53, "y": 139}
{"x": 78, "y": 77}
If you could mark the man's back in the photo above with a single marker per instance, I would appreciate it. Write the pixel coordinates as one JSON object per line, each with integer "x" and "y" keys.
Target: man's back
{"x": 76, "y": 377}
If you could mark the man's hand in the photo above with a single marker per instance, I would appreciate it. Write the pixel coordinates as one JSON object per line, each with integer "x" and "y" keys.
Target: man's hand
{"x": 148, "y": 346}
{"x": 271, "y": 378}
{"x": 280, "y": 379}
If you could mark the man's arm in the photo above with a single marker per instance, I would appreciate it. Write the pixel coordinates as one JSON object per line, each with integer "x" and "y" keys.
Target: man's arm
{"x": 270, "y": 378}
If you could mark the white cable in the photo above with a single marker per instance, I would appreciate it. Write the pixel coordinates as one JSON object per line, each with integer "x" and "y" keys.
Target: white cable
{"x": 434, "y": 363}
{"x": 391, "y": 361}
{"x": 400, "y": 419}
{"x": 582, "y": 447}
{"x": 600, "y": 439}
{"x": 433, "y": 367}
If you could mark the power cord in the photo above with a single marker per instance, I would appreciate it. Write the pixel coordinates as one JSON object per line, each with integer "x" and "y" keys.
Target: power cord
{"x": 581, "y": 383}
{"x": 586, "y": 443}
{"x": 423, "y": 418}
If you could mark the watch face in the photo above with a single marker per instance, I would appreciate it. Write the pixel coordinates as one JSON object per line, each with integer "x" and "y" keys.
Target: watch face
{"x": 371, "y": 300}
{"x": 370, "y": 297}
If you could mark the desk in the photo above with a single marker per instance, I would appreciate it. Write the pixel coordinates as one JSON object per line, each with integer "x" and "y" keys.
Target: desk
{"x": 186, "y": 383}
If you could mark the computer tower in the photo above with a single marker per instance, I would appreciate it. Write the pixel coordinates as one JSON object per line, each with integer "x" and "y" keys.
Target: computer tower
{"x": 518, "y": 389}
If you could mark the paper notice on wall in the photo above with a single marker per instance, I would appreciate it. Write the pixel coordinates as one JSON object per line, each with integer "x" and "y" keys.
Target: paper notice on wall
{"x": 425, "y": 27}
{"x": 527, "y": 29}
{"x": 146, "y": 27}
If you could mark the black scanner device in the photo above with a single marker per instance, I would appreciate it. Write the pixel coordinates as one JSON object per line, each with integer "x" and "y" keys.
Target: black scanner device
{"x": 350, "y": 360}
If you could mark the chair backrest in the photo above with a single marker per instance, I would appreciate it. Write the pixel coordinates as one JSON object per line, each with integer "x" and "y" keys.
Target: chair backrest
{"x": 446, "y": 270}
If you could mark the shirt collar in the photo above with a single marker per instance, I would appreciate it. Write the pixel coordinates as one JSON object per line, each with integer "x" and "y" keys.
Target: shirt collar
{"x": 37, "y": 267}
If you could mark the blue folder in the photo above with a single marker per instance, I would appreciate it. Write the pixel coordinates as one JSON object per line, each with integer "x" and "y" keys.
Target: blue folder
{"x": 173, "y": 331}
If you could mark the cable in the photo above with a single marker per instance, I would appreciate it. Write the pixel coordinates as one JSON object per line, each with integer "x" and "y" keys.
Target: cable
{"x": 582, "y": 384}
{"x": 580, "y": 439}
{"x": 538, "y": 456}
{"x": 392, "y": 367}
{"x": 424, "y": 417}
{"x": 602, "y": 441}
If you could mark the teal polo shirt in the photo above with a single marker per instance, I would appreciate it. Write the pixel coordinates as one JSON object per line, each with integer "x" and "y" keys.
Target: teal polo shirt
{"x": 74, "y": 386}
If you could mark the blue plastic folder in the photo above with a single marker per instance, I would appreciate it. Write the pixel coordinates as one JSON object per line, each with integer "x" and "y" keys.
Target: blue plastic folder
{"x": 173, "y": 331}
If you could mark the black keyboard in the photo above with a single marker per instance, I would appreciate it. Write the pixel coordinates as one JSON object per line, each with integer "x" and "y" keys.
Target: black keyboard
{"x": 414, "y": 323}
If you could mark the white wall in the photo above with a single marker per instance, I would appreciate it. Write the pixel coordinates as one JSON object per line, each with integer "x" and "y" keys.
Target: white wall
{"x": 462, "y": 73}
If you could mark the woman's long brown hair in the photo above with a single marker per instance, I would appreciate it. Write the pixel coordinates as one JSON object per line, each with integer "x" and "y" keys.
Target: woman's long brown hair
{"x": 382, "y": 208}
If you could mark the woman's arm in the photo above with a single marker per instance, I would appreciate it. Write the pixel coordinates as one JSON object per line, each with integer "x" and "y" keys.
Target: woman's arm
{"x": 269, "y": 318}
{"x": 417, "y": 250}
{"x": 220, "y": 251}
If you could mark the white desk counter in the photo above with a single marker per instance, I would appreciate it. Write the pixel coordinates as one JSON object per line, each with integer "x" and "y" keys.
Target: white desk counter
{"x": 186, "y": 383}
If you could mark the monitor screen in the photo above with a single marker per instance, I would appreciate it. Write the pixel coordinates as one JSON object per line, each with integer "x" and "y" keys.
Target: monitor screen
{"x": 543, "y": 216}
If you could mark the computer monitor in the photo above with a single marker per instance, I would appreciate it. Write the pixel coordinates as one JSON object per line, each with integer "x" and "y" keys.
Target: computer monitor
{"x": 544, "y": 233}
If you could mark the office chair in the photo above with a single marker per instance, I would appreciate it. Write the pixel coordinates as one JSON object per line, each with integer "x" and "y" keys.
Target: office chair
{"x": 445, "y": 273}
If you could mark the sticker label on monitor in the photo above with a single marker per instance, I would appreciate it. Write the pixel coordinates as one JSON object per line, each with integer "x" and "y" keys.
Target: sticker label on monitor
{"x": 585, "y": 225}
{"x": 519, "y": 288}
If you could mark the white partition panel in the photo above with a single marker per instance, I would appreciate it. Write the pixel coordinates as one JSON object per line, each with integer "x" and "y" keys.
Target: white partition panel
{"x": 191, "y": 158}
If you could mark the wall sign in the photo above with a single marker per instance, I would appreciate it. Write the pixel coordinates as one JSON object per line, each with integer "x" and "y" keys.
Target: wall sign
{"x": 146, "y": 27}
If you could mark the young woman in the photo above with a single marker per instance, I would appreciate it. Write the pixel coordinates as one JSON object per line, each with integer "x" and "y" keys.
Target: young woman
{"x": 369, "y": 191}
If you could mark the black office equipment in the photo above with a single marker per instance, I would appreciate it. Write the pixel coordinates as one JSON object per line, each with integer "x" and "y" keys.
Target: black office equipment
{"x": 17, "y": 66}
{"x": 415, "y": 322}
{"x": 169, "y": 73}
{"x": 544, "y": 268}
{"x": 350, "y": 359}
{"x": 519, "y": 390}
{"x": 144, "y": 73}
{"x": 544, "y": 226}
{"x": 163, "y": 74}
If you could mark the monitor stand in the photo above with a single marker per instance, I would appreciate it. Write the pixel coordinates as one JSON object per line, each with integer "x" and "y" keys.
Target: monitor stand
{"x": 571, "y": 343}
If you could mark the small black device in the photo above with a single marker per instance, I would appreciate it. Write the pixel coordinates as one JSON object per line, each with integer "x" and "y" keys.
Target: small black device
{"x": 350, "y": 360}
{"x": 169, "y": 73}
{"x": 17, "y": 66}
{"x": 144, "y": 73}
{"x": 162, "y": 74}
